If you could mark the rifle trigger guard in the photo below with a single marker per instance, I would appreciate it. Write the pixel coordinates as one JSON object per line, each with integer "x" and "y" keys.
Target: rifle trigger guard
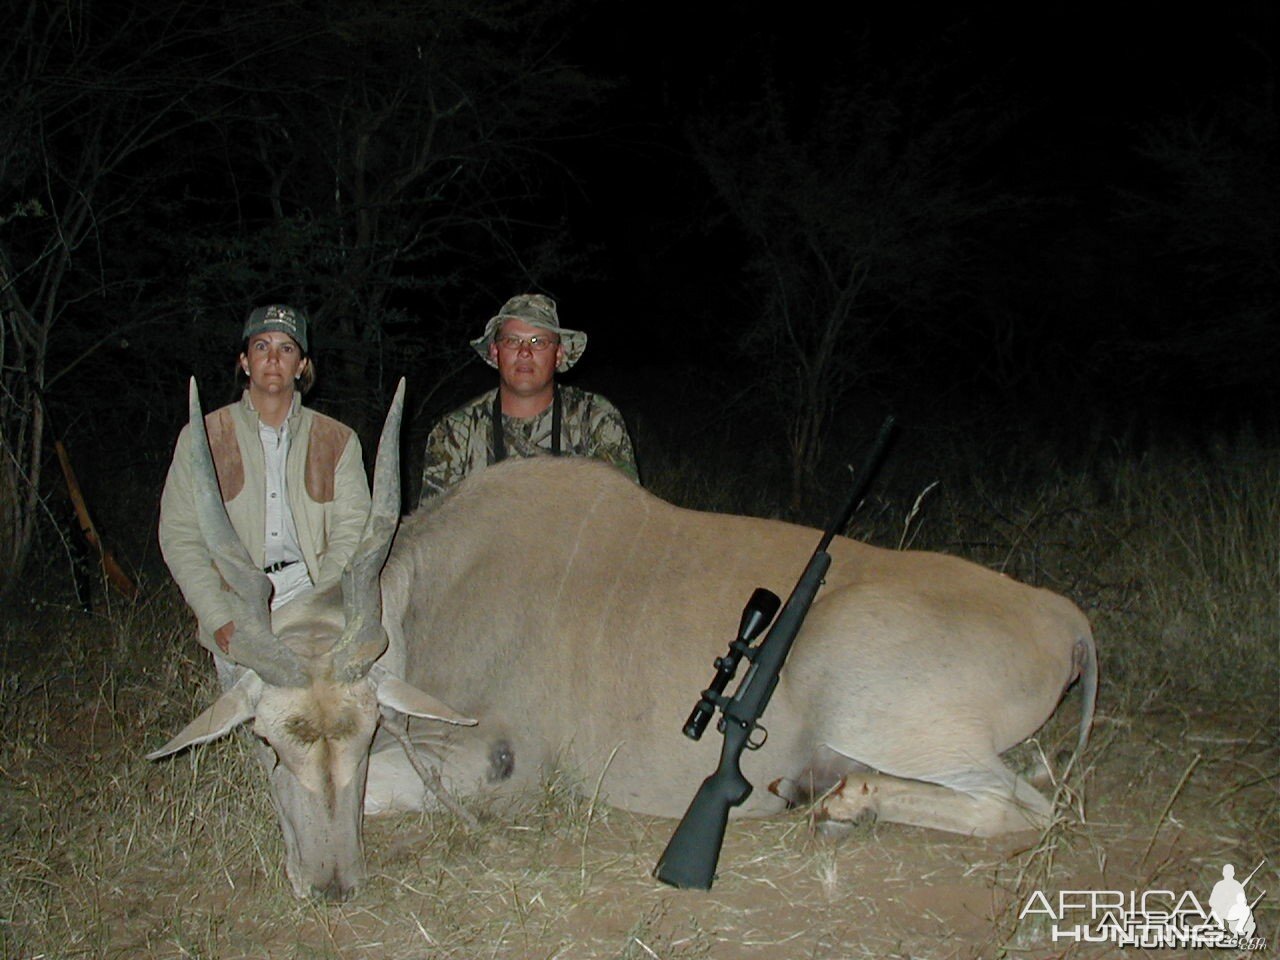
{"x": 757, "y": 744}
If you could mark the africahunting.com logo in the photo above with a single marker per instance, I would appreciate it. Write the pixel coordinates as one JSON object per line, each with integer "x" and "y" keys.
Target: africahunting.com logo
{"x": 1154, "y": 918}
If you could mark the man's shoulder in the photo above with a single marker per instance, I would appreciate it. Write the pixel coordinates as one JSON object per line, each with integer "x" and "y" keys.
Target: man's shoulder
{"x": 575, "y": 398}
{"x": 470, "y": 411}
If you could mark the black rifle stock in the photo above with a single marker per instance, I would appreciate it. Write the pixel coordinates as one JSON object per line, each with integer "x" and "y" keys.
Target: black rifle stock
{"x": 689, "y": 861}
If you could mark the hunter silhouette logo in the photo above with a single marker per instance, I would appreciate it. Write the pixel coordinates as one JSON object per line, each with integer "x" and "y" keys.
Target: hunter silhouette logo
{"x": 1230, "y": 904}
{"x": 1155, "y": 918}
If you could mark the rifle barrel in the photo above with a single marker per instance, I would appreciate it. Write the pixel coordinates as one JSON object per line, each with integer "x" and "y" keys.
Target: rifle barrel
{"x": 1245, "y": 883}
{"x": 862, "y": 481}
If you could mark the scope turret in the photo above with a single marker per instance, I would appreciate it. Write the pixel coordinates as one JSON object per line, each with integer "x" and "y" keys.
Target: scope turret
{"x": 756, "y": 615}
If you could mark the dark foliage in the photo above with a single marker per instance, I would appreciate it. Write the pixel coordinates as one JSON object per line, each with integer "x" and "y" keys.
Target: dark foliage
{"x": 1003, "y": 226}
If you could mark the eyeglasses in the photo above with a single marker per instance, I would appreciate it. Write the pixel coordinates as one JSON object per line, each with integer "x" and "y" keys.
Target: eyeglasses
{"x": 536, "y": 343}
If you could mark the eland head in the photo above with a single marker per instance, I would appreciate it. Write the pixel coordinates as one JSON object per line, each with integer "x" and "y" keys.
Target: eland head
{"x": 307, "y": 677}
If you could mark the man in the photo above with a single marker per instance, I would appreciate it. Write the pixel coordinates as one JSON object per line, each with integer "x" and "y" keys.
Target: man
{"x": 292, "y": 480}
{"x": 528, "y": 414}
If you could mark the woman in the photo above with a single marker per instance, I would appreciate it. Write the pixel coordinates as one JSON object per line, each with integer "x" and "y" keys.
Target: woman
{"x": 292, "y": 480}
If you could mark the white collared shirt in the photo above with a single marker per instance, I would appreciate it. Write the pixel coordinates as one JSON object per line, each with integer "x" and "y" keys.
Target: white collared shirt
{"x": 281, "y": 535}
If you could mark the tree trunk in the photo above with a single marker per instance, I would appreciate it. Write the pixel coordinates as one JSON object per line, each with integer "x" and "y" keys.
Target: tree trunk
{"x": 21, "y": 439}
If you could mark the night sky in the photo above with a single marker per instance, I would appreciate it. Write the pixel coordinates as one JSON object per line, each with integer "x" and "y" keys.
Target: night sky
{"x": 1072, "y": 95}
{"x": 1105, "y": 254}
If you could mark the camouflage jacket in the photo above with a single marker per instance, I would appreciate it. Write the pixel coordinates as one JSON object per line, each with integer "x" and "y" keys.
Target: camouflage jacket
{"x": 463, "y": 440}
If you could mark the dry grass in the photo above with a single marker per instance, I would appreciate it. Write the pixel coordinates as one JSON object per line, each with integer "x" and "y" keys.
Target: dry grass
{"x": 1174, "y": 555}
{"x": 108, "y": 856}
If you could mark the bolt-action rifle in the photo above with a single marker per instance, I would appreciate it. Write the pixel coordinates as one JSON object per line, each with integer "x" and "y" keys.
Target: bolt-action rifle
{"x": 689, "y": 862}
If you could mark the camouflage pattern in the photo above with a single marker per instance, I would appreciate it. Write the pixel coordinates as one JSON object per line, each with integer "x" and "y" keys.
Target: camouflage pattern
{"x": 536, "y": 310}
{"x": 462, "y": 441}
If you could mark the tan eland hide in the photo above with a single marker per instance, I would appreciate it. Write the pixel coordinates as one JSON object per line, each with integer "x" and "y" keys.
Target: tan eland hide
{"x": 576, "y": 616}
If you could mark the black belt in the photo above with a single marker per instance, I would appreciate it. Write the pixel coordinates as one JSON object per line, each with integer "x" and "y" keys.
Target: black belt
{"x": 278, "y": 566}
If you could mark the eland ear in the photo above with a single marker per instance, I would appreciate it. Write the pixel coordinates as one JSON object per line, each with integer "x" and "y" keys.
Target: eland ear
{"x": 406, "y": 698}
{"x": 233, "y": 708}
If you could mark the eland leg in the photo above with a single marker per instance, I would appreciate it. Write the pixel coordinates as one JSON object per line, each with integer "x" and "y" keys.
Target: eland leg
{"x": 978, "y": 802}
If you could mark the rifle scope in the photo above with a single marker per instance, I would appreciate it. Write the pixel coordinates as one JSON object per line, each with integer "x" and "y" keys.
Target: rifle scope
{"x": 756, "y": 615}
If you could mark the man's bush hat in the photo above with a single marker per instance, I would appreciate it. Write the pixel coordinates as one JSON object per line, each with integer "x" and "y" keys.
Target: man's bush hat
{"x": 536, "y": 310}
